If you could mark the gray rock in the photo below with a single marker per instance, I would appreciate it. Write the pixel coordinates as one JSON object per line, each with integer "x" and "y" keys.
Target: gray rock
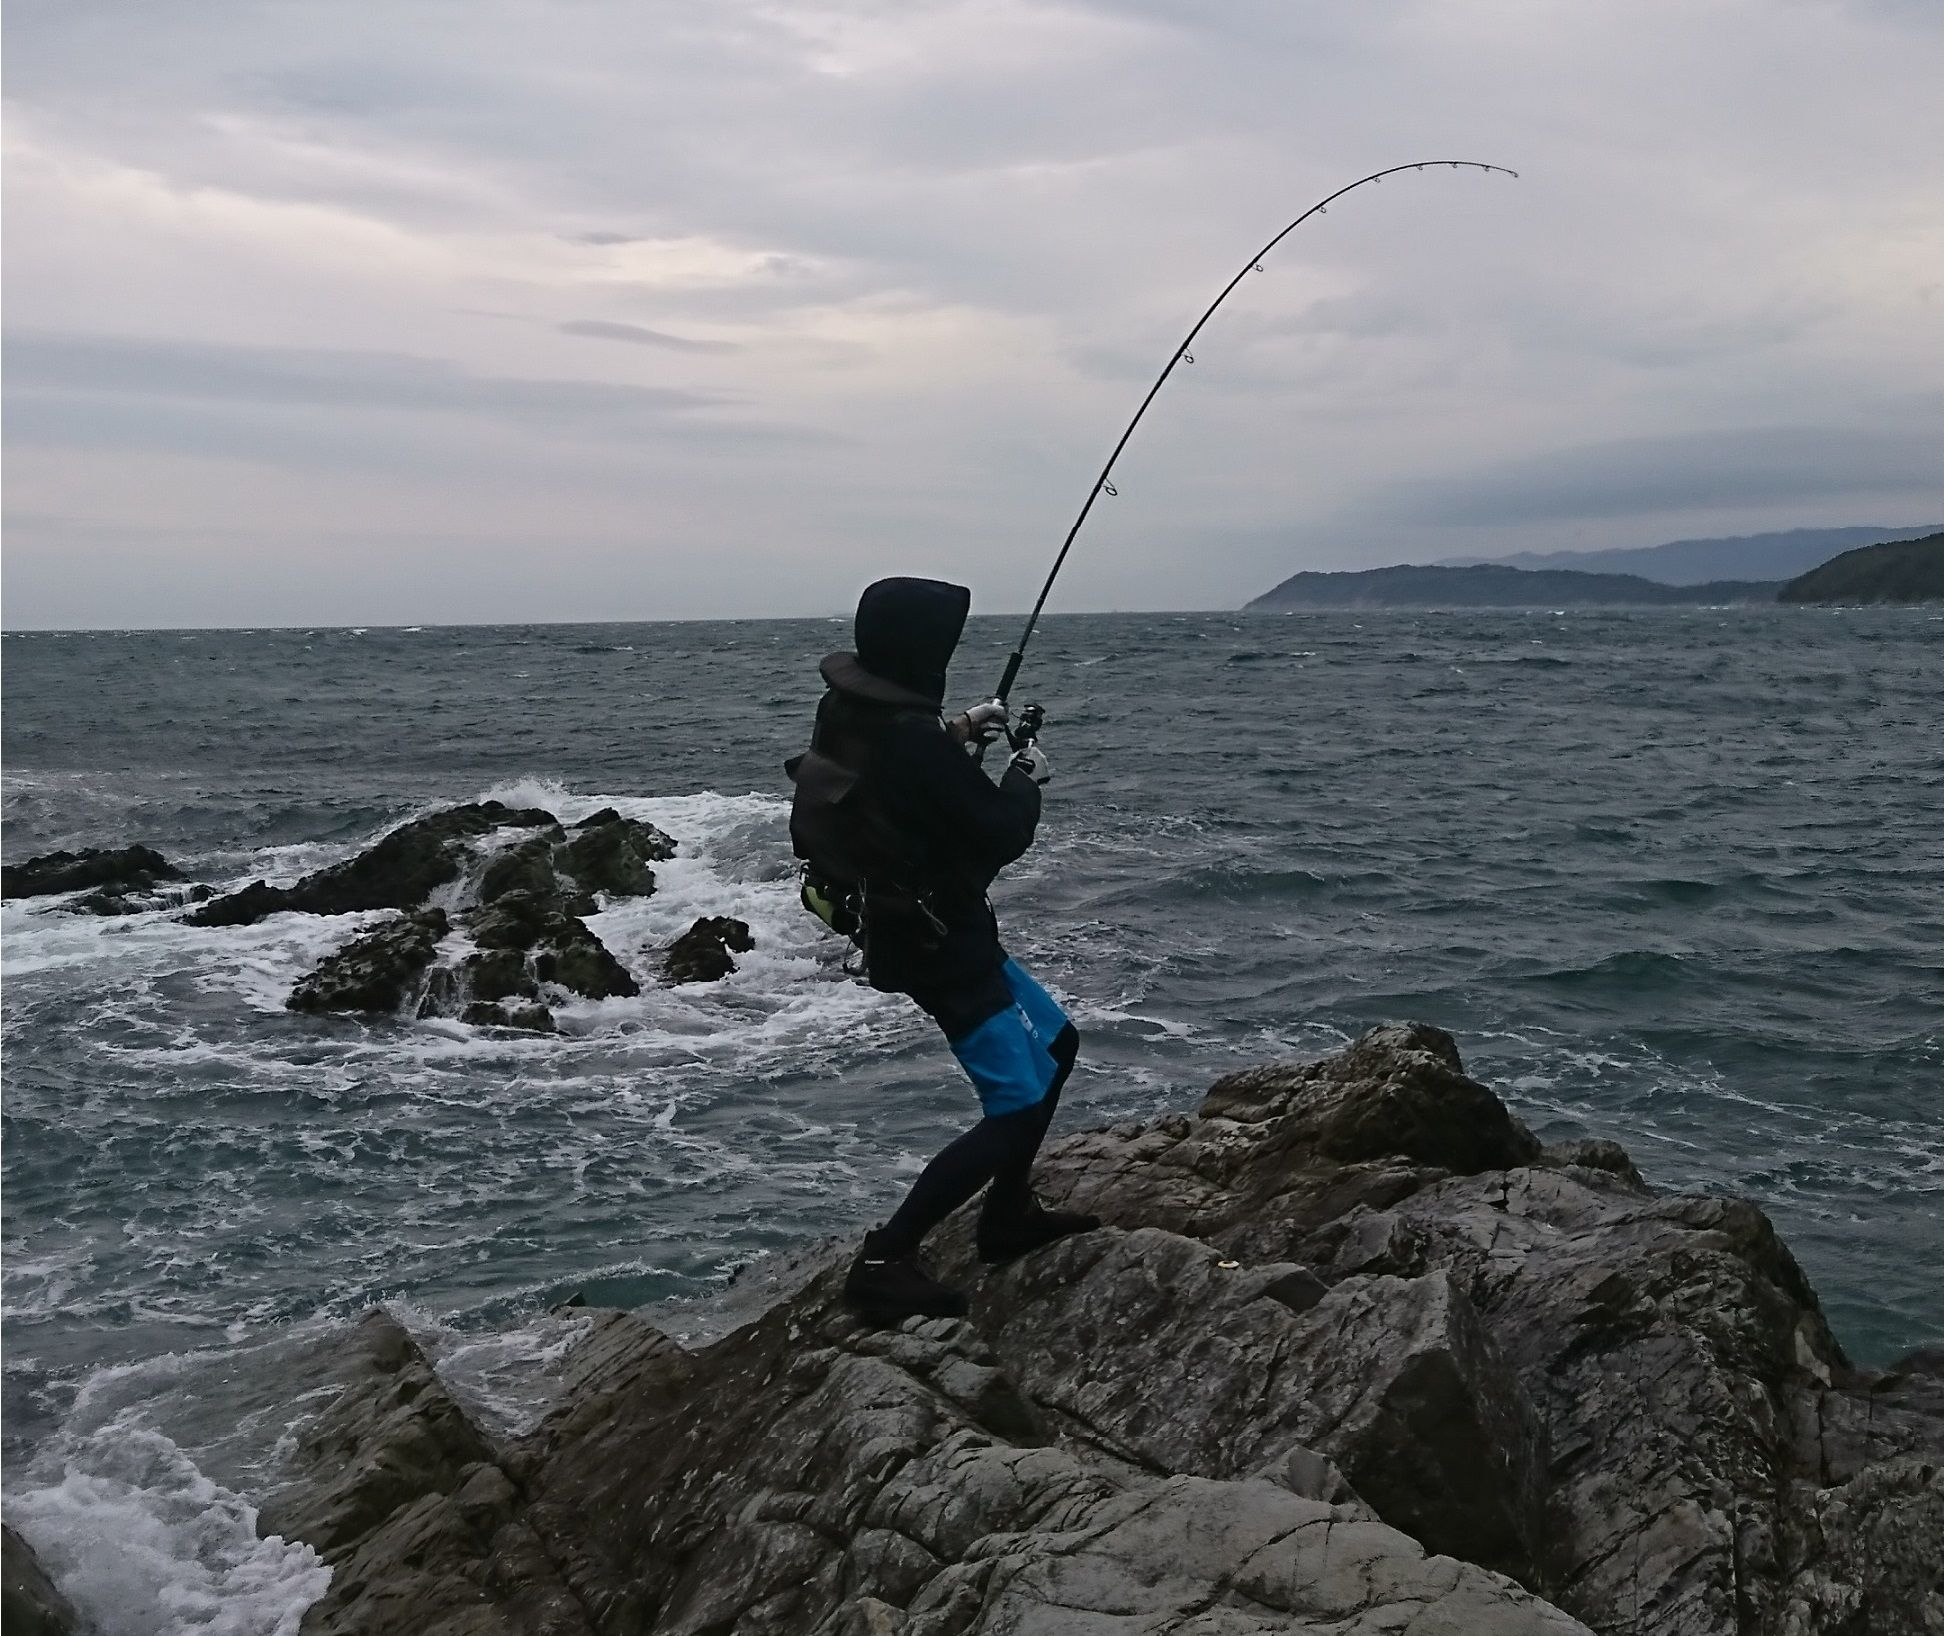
{"x": 527, "y": 867}
{"x": 702, "y": 953}
{"x": 128, "y": 869}
{"x": 407, "y": 1501}
{"x": 1346, "y": 1318}
{"x": 554, "y": 946}
{"x": 133, "y": 898}
{"x": 521, "y": 904}
{"x": 399, "y": 871}
{"x": 392, "y": 1435}
{"x": 1168, "y": 1358}
{"x": 374, "y": 972}
{"x": 529, "y": 1018}
{"x": 612, "y": 854}
{"x": 29, "y": 1603}
{"x": 500, "y": 974}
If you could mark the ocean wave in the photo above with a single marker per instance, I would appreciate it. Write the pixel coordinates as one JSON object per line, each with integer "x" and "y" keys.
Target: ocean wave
{"x": 1629, "y": 971}
{"x": 144, "y": 1544}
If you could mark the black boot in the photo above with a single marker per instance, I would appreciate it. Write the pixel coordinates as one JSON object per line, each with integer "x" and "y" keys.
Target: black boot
{"x": 886, "y": 1288}
{"x": 1005, "y": 1235}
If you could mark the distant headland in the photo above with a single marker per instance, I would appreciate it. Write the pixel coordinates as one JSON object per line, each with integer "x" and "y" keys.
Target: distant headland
{"x": 1494, "y": 587}
{"x": 1897, "y": 570}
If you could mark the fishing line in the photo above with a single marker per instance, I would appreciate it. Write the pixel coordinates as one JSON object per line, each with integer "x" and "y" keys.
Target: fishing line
{"x": 1103, "y": 484}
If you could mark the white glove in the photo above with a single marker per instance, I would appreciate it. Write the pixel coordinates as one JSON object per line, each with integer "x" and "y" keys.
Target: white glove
{"x": 1033, "y": 763}
{"x": 982, "y": 723}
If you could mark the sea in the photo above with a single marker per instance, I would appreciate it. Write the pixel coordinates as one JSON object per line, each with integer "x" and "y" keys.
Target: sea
{"x": 1671, "y": 876}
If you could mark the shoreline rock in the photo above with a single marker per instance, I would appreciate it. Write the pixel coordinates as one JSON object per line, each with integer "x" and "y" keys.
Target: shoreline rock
{"x": 1353, "y": 1353}
{"x": 702, "y": 953}
{"x": 112, "y": 880}
{"x": 29, "y": 1603}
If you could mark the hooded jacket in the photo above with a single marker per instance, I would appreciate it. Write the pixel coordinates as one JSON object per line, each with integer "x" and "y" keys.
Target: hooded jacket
{"x": 955, "y": 829}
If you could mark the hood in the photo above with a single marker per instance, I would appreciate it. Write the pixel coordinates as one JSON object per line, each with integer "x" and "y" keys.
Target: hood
{"x": 906, "y": 630}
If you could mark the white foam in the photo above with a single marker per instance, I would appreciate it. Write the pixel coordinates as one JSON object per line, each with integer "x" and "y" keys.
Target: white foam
{"x": 144, "y": 1544}
{"x": 507, "y": 1377}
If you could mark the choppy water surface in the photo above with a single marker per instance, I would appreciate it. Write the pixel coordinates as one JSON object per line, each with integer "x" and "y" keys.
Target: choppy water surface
{"x": 1673, "y": 876}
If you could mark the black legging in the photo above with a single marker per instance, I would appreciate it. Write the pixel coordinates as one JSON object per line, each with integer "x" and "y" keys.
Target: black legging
{"x": 999, "y": 1149}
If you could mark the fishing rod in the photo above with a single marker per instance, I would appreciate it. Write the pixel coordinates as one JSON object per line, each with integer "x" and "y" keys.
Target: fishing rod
{"x": 1031, "y": 717}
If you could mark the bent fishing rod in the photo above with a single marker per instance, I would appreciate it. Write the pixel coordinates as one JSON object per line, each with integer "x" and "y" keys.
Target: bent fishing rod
{"x": 1031, "y": 717}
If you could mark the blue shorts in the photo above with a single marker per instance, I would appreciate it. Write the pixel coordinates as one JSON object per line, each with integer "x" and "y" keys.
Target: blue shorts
{"x": 1009, "y": 1056}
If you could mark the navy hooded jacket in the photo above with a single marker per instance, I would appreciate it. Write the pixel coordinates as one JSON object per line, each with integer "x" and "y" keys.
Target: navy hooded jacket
{"x": 882, "y": 716}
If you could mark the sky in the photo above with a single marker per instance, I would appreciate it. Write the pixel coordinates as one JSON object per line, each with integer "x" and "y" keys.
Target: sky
{"x": 479, "y": 310}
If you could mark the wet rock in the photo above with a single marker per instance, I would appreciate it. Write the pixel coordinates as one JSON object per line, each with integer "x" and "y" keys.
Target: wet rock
{"x": 527, "y": 867}
{"x": 571, "y": 956}
{"x": 1310, "y": 1350}
{"x": 374, "y": 972}
{"x": 524, "y": 914}
{"x": 1397, "y": 1093}
{"x": 107, "y": 901}
{"x": 552, "y": 945}
{"x": 513, "y": 922}
{"x": 243, "y": 907}
{"x": 392, "y": 1434}
{"x": 701, "y": 954}
{"x": 29, "y": 1603}
{"x": 500, "y": 974}
{"x": 124, "y": 870}
{"x": 652, "y": 843}
{"x": 408, "y": 1502}
{"x": 529, "y": 1019}
{"x": 611, "y": 854}
{"x": 400, "y": 871}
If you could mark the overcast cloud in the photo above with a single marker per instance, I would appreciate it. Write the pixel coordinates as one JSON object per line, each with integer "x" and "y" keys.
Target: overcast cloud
{"x": 455, "y": 310}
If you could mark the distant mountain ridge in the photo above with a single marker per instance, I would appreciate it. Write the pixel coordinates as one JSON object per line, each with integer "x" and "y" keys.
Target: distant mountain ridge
{"x": 1895, "y": 571}
{"x": 1775, "y": 556}
{"x": 1487, "y": 585}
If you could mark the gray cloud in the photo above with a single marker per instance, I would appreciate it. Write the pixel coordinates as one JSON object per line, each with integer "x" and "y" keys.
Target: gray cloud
{"x": 1701, "y": 472}
{"x": 121, "y": 367}
{"x": 603, "y": 329}
{"x": 936, "y": 251}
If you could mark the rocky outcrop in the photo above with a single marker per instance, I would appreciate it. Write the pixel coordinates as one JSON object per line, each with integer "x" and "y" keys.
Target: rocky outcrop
{"x": 138, "y": 899}
{"x": 29, "y": 1603}
{"x": 400, "y": 871}
{"x": 520, "y": 900}
{"x": 528, "y": 1018}
{"x": 702, "y": 953}
{"x": 611, "y": 854}
{"x": 410, "y": 1506}
{"x": 374, "y": 972}
{"x": 1353, "y": 1354}
{"x": 129, "y": 871}
{"x": 554, "y": 945}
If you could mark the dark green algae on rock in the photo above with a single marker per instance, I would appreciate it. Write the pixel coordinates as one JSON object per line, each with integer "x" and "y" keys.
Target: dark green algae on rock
{"x": 1354, "y": 1354}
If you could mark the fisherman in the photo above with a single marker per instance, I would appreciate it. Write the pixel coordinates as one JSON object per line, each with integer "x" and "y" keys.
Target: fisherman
{"x": 902, "y": 832}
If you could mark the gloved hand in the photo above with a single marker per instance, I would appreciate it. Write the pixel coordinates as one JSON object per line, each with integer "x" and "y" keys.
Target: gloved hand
{"x": 981, "y": 724}
{"x": 1033, "y": 763}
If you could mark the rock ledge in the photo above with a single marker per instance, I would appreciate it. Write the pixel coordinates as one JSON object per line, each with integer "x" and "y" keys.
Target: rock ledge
{"x": 1354, "y": 1354}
